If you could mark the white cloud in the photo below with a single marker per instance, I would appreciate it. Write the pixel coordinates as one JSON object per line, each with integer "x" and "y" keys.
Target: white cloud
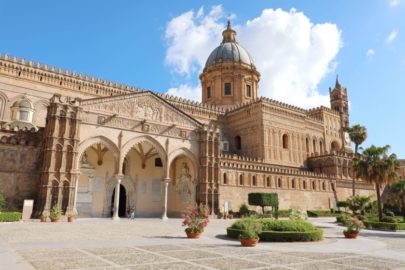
{"x": 292, "y": 53}
{"x": 370, "y": 53}
{"x": 394, "y": 3}
{"x": 392, "y": 36}
{"x": 186, "y": 91}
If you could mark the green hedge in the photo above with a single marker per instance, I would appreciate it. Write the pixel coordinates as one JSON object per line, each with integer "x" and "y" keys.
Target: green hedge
{"x": 321, "y": 213}
{"x": 384, "y": 226}
{"x": 279, "y": 230}
{"x": 10, "y": 216}
{"x": 284, "y": 213}
{"x": 281, "y": 236}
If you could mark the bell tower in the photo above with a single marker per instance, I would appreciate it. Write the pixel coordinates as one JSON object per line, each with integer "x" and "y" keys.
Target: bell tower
{"x": 229, "y": 76}
{"x": 340, "y": 103}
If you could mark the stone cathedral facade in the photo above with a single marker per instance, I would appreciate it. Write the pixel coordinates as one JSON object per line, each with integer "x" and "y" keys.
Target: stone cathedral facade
{"x": 106, "y": 149}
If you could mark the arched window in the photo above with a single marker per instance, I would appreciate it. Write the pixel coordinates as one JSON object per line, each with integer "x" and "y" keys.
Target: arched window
{"x": 313, "y": 185}
{"x": 334, "y": 146}
{"x": 333, "y": 187}
{"x": 285, "y": 141}
{"x": 254, "y": 183}
{"x": 323, "y": 186}
{"x": 158, "y": 162}
{"x": 314, "y": 145}
{"x": 225, "y": 179}
{"x": 279, "y": 182}
{"x": 293, "y": 183}
{"x": 268, "y": 181}
{"x": 304, "y": 185}
{"x": 307, "y": 144}
{"x": 227, "y": 89}
{"x": 248, "y": 90}
{"x": 238, "y": 143}
{"x": 209, "y": 92}
{"x": 241, "y": 180}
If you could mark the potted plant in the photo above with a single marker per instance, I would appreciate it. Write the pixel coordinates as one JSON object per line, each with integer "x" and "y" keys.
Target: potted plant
{"x": 250, "y": 235}
{"x": 44, "y": 216}
{"x": 196, "y": 219}
{"x": 55, "y": 214}
{"x": 72, "y": 214}
{"x": 354, "y": 226}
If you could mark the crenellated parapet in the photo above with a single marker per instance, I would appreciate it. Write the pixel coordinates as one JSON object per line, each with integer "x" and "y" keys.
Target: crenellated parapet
{"x": 338, "y": 163}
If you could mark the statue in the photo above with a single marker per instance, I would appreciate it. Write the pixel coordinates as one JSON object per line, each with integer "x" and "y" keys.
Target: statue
{"x": 184, "y": 184}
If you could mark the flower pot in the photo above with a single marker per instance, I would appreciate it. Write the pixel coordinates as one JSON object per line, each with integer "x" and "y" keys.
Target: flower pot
{"x": 350, "y": 234}
{"x": 54, "y": 219}
{"x": 43, "y": 219}
{"x": 193, "y": 234}
{"x": 71, "y": 219}
{"x": 248, "y": 242}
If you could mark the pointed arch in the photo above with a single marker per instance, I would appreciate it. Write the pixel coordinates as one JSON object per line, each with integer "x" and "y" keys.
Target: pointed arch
{"x": 98, "y": 140}
{"x": 183, "y": 151}
{"x": 142, "y": 139}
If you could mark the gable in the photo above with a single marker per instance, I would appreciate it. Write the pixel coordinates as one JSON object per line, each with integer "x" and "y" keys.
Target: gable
{"x": 143, "y": 106}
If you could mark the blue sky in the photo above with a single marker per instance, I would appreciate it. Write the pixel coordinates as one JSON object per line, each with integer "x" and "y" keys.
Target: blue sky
{"x": 128, "y": 42}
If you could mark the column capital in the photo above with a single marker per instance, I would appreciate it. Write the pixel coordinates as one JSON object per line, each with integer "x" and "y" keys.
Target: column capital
{"x": 166, "y": 180}
{"x": 119, "y": 177}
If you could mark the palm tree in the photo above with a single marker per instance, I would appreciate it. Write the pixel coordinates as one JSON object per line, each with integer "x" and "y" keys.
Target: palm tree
{"x": 377, "y": 167}
{"x": 357, "y": 134}
{"x": 397, "y": 193}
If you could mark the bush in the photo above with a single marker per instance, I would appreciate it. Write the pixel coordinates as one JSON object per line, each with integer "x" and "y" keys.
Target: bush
{"x": 284, "y": 213}
{"x": 321, "y": 213}
{"x": 342, "y": 218}
{"x": 298, "y": 215}
{"x": 243, "y": 210}
{"x": 10, "y": 216}
{"x": 278, "y": 230}
{"x": 343, "y": 204}
{"x": 263, "y": 200}
{"x": 389, "y": 213}
{"x": 388, "y": 219}
{"x": 384, "y": 226}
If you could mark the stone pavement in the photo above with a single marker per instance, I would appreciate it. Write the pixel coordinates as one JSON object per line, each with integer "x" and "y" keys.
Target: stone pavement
{"x": 155, "y": 244}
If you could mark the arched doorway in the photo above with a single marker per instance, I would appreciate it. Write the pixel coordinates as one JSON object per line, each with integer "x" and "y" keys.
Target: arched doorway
{"x": 122, "y": 210}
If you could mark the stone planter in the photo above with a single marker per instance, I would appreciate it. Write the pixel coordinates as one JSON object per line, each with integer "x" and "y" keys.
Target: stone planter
{"x": 43, "y": 219}
{"x": 351, "y": 235}
{"x": 55, "y": 219}
{"x": 71, "y": 219}
{"x": 248, "y": 242}
{"x": 193, "y": 235}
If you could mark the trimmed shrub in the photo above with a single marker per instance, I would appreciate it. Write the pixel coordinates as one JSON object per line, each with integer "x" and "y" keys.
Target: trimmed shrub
{"x": 298, "y": 215}
{"x": 263, "y": 200}
{"x": 384, "y": 226}
{"x": 284, "y": 213}
{"x": 278, "y": 230}
{"x": 10, "y": 216}
{"x": 321, "y": 213}
{"x": 343, "y": 204}
{"x": 243, "y": 210}
{"x": 388, "y": 219}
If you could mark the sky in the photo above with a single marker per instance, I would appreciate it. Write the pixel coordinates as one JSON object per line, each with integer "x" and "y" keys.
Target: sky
{"x": 299, "y": 47}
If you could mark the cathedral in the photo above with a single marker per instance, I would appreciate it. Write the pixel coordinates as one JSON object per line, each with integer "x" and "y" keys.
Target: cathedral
{"x": 106, "y": 149}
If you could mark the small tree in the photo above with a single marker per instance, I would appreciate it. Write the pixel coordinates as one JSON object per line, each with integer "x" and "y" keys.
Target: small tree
{"x": 397, "y": 195}
{"x": 263, "y": 200}
{"x": 359, "y": 203}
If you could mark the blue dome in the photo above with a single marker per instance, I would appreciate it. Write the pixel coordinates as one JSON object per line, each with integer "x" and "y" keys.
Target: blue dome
{"x": 229, "y": 51}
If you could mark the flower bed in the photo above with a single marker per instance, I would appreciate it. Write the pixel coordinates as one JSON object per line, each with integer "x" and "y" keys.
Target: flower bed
{"x": 279, "y": 230}
{"x": 10, "y": 216}
{"x": 384, "y": 226}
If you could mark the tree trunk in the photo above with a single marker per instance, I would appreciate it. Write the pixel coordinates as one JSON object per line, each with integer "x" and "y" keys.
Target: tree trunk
{"x": 263, "y": 209}
{"x": 377, "y": 185}
{"x": 356, "y": 148}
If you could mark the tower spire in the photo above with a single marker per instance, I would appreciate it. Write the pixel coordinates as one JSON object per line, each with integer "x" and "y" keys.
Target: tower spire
{"x": 337, "y": 84}
{"x": 229, "y": 35}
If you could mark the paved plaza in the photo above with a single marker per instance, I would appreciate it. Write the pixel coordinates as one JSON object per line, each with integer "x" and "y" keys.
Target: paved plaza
{"x": 156, "y": 244}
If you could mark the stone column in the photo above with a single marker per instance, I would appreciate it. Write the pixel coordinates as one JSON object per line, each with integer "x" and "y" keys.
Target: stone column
{"x": 166, "y": 182}
{"x": 117, "y": 199}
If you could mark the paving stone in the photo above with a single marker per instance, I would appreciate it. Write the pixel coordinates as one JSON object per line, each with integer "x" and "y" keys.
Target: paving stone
{"x": 241, "y": 251}
{"x": 230, "y": 263}
{"x": 136, "y": 258}
{"x": 163, "y": 247}
{"x": 323, "y": 266}
{"x": 68, "y": 263}
{"x": 190, "y": 254}
{"x": 277, "y": 259}
{"x": 319, "y": 256}
{"x": 370, "y": 262}
{"x": 112, "y": 250}
{"x": 166, "y": 266}
{"x": 44, "y": 254}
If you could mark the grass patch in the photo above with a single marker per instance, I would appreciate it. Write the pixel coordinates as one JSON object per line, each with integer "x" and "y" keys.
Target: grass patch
{"x": 10, "y": 216}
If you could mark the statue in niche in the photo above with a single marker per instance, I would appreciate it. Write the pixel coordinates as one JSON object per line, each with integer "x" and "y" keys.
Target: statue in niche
{"x": 184, "y": 184}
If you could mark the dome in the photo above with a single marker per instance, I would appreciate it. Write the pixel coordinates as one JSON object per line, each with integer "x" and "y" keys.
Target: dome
{"x": 229, "y": 50}
{"x": 23, "y": 103}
